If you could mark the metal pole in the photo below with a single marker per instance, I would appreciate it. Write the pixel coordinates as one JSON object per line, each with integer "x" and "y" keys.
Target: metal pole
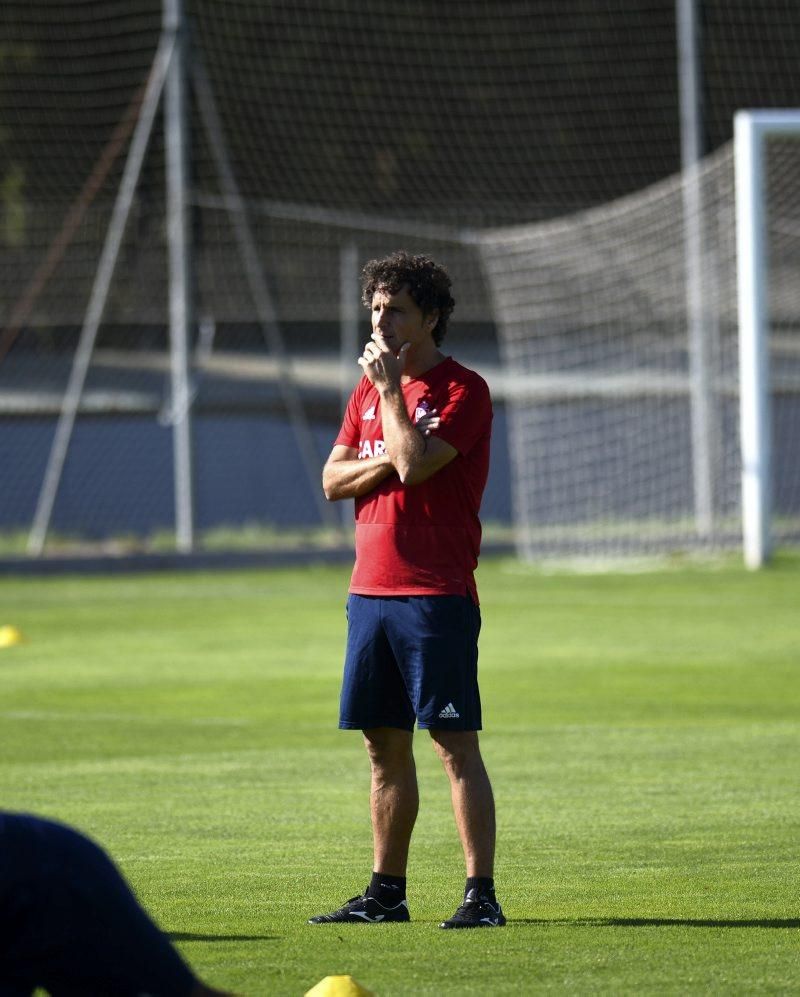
{"x": 72, "y": 221}
{"x": 99, "y": 296}
{"x": 265, "y": 309}
{"x": 750, "y": 130}
{"x": 176, "y": 134}
{"x": 349, "y": 313}
{"x": 754, "y": 412}
{"x": 700, "y": 380}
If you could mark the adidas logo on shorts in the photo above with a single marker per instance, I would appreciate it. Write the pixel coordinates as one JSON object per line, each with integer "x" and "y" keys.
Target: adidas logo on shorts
{"x": 449, "y": 713}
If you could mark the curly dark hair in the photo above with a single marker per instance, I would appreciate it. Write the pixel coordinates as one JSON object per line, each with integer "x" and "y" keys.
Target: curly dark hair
{"x": 428, "y": 284}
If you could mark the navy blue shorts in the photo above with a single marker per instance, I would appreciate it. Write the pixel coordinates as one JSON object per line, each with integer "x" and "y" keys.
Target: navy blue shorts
{"x": 411, "y": 658}
{"x": 70, "y": 924}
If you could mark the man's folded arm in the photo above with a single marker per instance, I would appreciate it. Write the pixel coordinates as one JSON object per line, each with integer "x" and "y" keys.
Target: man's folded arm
{"x": 345, "y": 476}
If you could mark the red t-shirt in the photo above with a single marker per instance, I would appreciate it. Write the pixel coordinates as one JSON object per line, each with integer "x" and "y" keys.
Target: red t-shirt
{"x": 423, "y": 539}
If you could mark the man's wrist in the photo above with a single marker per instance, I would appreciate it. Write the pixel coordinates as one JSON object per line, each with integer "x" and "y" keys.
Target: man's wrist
{"x": 390, "y": 392}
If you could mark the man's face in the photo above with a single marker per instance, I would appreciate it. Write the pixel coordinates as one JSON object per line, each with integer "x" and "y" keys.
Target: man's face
{"x": 399, "y": 319}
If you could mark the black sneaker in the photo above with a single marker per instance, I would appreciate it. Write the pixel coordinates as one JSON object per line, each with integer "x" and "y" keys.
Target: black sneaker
{"x": 364, "y": 910}
{"x": 477, "y": 911}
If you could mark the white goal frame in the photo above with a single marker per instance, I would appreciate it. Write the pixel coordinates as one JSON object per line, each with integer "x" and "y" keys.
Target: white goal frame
{"x": 752, "y": 129}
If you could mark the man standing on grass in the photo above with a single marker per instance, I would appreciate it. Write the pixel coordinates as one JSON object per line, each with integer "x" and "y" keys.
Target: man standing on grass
{"x": 413, "y": 451}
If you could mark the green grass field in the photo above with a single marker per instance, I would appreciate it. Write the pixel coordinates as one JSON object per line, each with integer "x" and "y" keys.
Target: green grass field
{"x": 642, "y": 734}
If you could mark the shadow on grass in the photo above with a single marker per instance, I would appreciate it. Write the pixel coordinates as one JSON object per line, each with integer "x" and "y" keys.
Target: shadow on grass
{"x": 659, "y": 922}
{"x": 186, "y": 936}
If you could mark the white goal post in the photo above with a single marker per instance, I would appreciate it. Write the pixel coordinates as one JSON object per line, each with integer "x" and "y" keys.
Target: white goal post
{"x": 751, "y": 130}
{"x": 597, "y": 332}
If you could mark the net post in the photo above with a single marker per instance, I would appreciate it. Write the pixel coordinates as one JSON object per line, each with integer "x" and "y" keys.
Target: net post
{"x": 754, "y": 418}
{"x": 99, "y": 295}
{"x": 750, "y": 130}
{"x": 262, "y": 298}
{"x": 176, "y": 141}
{"x": 697, "y": 312}
{"x": 349, "y": 310}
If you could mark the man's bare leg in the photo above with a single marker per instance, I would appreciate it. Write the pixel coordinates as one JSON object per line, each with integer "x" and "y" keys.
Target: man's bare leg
{"x": 394, "y": 799}
{"x": 394, "y": 802}
{"x": 473, "y": 806}
{"x": 471, "y": 794}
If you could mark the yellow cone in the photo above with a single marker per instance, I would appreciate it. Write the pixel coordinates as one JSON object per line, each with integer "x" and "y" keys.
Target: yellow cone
{"x": 9, "y": 636}
{"x": 338, "y": 986}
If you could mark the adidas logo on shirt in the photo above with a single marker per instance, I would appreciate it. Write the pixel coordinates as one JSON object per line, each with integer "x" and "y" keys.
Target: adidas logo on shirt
{"x": 449, "y": 713}
{"x": 369, "y": 414}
